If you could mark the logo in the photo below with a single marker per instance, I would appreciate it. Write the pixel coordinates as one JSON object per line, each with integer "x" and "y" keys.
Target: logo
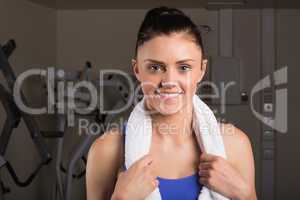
{"x": 279, "y": 112}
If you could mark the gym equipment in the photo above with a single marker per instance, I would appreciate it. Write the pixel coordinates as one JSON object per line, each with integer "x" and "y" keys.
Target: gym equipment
{"x": 111, "y": 82}
{"x": 14, "y": 115}
{"x": 63, "y": 185}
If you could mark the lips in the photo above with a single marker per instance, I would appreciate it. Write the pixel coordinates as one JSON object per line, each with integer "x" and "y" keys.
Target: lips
{"x": 167, "y": 95}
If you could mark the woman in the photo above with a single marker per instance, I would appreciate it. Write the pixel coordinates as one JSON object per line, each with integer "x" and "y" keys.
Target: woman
{"x": 170, "y": 62}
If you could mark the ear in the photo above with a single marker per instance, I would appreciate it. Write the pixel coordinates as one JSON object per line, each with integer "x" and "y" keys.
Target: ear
{"x": 203, "y": 69}
{"x": 204, "y": 65}
{"x": 135, "y": 68}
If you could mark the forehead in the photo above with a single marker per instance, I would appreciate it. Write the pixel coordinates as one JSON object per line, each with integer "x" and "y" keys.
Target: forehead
{"x": 176, "y": 46}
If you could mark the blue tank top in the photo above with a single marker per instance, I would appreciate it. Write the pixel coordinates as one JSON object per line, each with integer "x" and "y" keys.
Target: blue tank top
{"x": 186, "y": 188}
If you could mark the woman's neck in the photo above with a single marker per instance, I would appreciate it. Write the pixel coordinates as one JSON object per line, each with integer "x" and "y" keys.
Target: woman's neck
{"x": 177, "y": 126}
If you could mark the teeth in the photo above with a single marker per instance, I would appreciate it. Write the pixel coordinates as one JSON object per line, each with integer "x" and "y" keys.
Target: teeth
{"x": 166, "y": 95}
{"x": 169, "y": 95}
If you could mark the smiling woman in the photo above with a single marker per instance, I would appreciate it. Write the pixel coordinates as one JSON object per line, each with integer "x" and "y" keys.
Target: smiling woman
{"x": 169, "y": 62}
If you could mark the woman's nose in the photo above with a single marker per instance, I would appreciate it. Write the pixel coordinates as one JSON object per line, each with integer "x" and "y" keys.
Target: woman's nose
{"x": 169, "y": 80}
{"x": 169, "y": 76}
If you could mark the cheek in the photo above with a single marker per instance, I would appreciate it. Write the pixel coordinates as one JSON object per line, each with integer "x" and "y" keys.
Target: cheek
{"x": 149, "y": 86}
{"x": 147, "y": 83}
{"x": 189, "y": 85}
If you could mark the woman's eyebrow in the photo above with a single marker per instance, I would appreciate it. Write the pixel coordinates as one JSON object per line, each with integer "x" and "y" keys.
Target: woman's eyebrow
{"x": 161, "y": 62}
{"x": 185, "y": 60}
{"x": 152, "y": 60}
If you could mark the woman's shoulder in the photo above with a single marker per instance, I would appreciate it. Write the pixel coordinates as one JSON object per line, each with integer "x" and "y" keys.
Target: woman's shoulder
{"x": 108, "y": 145}
{"x": 239, "y": 152}
{"x": 233, "y": 134}
{"x": 104, "y": 160}
{"x": 236, "y": 142}
{"x": 106, "y": 154}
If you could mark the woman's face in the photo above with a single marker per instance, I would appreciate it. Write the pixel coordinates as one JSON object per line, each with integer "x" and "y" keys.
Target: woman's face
{"x": 169, "y": 68}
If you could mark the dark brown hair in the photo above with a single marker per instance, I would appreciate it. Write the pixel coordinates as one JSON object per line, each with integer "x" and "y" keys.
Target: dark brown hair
{"x": 164, "y": 21}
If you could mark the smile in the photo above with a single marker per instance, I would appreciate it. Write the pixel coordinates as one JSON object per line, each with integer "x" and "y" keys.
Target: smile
{"x": 167, "y": 95}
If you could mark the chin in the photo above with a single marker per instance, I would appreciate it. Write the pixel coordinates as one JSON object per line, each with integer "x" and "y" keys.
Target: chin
{"x": 169, "y": 109}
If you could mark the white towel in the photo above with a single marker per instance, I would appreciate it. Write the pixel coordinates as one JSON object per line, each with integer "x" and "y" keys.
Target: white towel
{"x": 206, "y": 128}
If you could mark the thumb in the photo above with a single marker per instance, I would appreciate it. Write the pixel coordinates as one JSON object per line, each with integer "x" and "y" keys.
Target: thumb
{"x": 145, "y": 160}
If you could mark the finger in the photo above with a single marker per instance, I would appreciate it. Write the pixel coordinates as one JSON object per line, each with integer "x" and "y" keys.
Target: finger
{"x": 204, "y": 174}
{"x": 205, "y": 157}
{"x": 205, "y": 165}
{"x": 155, "y": 183}
{"x": 203, "y": 181}
{"x": 149, "y": 171}
{"x": 145, "y": 160}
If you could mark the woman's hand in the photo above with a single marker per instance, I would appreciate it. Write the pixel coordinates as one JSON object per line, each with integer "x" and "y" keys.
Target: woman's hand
{"x": 137, "y": 182}
{"x": 219, "y": 175}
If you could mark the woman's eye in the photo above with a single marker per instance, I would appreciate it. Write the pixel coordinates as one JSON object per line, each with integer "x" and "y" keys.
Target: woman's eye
{"x": 184, "y": 68}
{"x": 155, "y": 67}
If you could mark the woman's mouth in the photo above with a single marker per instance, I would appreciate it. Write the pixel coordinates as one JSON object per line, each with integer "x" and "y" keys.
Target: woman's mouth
{"x": 168, "y": 95}
{"x": 165, "y": 96}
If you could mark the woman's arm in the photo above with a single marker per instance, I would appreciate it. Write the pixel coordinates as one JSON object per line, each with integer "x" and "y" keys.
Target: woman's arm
{"x": 104, "y": 160}
{"x": 233, "y": 177}
{"x": 240, "y": 154}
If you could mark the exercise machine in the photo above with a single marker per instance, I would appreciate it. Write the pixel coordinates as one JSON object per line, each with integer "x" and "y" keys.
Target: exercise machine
{"x": 114, "y": 83}
{"x": 14, "y": 115}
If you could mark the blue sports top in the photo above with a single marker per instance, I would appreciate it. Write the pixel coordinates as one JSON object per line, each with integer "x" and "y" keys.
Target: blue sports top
{"x": 186, "y": 188}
